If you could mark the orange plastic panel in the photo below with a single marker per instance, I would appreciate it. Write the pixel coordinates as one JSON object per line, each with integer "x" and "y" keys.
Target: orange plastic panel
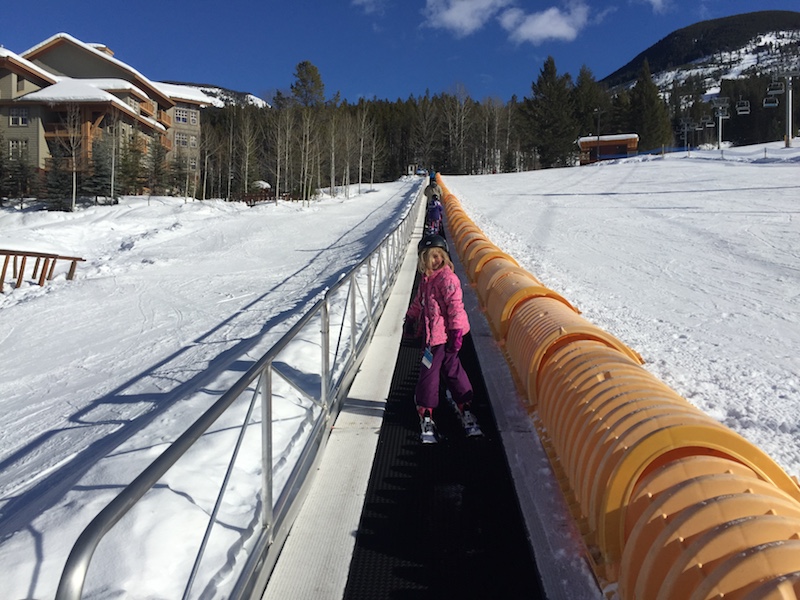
{"x": 508, "y": 293}
{"x": 539, "y": 326}
{"x": 672, "y": 542}
{"x": 671, "y": 510}
{"x": 746, "y": 570}
{"x": 481, "y": 259}
{"x": 673, "y": 474}
{"x": 713, "y": 547}
{"x": 616, "y": 424}
{"x": 577, "y": 371}
{"x": 495, "y": 270}
{"x": 620, "y": 444}
{"x": 785, "y": 587}
{"x": 460, "y": 227}
{"x": 695, "y": 436}
{"x": 469, "y": 239}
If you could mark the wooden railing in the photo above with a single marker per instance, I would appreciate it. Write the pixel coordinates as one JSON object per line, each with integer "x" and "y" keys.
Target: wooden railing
{"x": 47, "y": 261}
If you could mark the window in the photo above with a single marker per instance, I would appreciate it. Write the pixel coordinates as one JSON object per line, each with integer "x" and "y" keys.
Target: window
{"x": 193, "y": 163}
{"x": 193, "y": 141}
{"x": 18, "y": 117}
{"x": 193, "y": 117}
{"x": 181, "y": 115}
{"x": 17, "y": 149}
{"x": 181, "y": 139}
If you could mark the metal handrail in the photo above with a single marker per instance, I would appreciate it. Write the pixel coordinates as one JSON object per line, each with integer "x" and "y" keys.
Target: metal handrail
{"x": 379, "y": 270}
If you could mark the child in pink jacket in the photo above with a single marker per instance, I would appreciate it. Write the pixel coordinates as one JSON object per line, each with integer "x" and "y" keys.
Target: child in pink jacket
{"x": 437, "y": 314}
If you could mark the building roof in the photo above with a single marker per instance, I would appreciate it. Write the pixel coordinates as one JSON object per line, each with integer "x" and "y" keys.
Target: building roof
{"x": 102, "y": 52}
{"x": 82, "y": 91}
{"x": 617, "y": 137}
{"x": 187, "y": 93}
{"x": 23, "y": 64}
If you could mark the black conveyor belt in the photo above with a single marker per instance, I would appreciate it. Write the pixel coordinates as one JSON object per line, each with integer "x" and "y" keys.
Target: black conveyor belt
{"x": 440, "y": 520}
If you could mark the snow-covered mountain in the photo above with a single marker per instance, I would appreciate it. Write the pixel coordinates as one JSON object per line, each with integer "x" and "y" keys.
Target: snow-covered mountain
{"x": 223, "y": 96}
{"x": 765, "y": 43}
{"x": 771, "y": 54}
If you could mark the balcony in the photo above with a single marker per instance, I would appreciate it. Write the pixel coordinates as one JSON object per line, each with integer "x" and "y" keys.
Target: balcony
{"x": 164, "y": 119}
{"x": 148, "y": 107}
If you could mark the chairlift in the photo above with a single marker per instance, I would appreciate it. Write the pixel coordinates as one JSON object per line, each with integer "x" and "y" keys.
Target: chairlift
{"x": 722, "y": 113}
{"x": 707, "y": 121}
{"x": 775, "y": 88}
{"x": 743, "y": 107}
{"x": 720, "y": 102}
{"x": 770, "y": 102}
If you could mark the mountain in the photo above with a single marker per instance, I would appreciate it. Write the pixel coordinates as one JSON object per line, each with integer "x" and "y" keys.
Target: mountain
{"x": 224, "y": 96}
{"x": 757, "y": 43}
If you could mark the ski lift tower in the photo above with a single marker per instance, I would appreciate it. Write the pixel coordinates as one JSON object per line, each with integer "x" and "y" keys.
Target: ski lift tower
{"x": 777, "y": 88}
{"x": 789, "y": 76}
{"x": 721, "y": 112}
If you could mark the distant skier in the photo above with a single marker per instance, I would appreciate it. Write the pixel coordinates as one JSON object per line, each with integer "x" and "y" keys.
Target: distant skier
{"x": 433, "y": 189}
{"x": 437, "y": 313}
{"x": 433, "y": 216}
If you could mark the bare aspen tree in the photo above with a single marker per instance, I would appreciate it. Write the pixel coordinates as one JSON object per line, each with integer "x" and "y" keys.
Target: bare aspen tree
{"x": 72, "y": 141}
{"x": 363, "y": 124}
{"x": 249, "y": 136}
{"x": 332, "y": 126}
{"x": 457, "y": 108}
{"x": 427, "y": 126}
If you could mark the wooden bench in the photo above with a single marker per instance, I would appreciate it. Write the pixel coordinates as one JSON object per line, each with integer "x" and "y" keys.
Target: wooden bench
{"x": 45, "y": 260}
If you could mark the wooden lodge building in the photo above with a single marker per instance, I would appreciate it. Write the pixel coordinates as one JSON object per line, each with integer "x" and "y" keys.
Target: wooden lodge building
{"x": 606, "y": 147}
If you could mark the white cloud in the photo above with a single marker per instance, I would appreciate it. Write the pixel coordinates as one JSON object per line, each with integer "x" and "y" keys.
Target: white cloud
{"x": 659, "y": 6}
{"x": 369, "y": 6}
{"x": 462, "y": 17}
{"x": 551, "y": 24}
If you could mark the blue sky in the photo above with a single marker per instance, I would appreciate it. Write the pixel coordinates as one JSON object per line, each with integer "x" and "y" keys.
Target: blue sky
{"x": 387, "y": 49}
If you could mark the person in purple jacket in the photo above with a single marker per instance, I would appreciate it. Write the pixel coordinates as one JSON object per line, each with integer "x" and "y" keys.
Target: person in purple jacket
{"x": 437, "y": 315}
{"x": 433, "y": 216}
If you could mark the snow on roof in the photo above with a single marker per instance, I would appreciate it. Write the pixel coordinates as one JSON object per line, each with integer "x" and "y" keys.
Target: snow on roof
{"x": 70, "y": 90}
{"x": 188, "y": 93}
{"x": 617, "y": 137}
{"x": 93, "y": 48}
{"x": 6, "y": 53}
{"x": 83, "y": 90}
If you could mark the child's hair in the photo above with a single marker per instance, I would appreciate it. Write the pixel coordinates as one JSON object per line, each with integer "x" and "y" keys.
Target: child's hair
{"x": 424, "y": 259}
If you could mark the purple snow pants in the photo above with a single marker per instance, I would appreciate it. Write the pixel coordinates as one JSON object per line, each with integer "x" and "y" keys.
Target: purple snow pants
{"x": 447, "y": 366}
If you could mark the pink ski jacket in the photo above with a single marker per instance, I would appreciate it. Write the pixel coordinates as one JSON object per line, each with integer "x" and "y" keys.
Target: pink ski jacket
{"x": 438, "y": 306}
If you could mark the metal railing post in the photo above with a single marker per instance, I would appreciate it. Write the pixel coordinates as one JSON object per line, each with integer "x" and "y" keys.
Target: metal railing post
{"x": 325, "y": 329}
{"x": 267, "y": 517}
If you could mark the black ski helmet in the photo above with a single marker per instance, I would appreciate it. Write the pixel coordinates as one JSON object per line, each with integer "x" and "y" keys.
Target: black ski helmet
{"x": 432, "y": 241}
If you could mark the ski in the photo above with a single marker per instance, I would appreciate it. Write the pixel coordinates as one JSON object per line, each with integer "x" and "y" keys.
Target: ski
{"x": 467, "y": 419}
{"x": 428, "y": 429}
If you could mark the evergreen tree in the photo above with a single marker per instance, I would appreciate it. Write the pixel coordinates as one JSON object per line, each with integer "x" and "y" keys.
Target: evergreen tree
{"x": 5, "y": 171}
{"x": 649, "y": 115}
{"x": 98, "y": 181}
{"x": 619, "y": 118}
{"x": 308, "y": 89}
{"x": 58, "y": 180}
{"x": 130, "y": 165}
{"x": 157, "y": 168}
{"x": 551, "y": 117}
{"x": 592, "y": 105}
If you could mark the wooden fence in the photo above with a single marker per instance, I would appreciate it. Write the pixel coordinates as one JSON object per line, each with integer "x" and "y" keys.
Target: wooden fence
{"x": 43, "y": 268}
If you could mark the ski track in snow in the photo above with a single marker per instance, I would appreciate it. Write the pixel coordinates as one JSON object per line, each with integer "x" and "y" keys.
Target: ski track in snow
{"x": 161, "y": 319}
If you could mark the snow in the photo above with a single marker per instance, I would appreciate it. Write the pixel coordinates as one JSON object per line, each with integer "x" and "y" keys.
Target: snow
{"x": 101, "y": 373}
{"x": 691, "y": 259}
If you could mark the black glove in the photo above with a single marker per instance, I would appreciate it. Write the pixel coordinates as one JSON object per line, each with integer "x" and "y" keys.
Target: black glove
{"x": 410, "y": 329}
